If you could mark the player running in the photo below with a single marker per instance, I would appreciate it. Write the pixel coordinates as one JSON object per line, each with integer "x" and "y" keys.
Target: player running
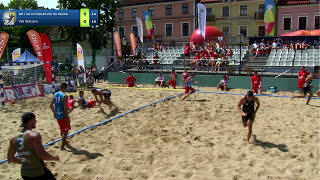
{"x": 188, "y": 88}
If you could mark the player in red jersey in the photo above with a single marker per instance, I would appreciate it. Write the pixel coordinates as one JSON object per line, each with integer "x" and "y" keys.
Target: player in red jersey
{"x": 71, "y": 103}
{"x": 173, "y": 79}
{"x": 303, "y": 74}
{"x": 256, "y": 83}
{"x": 184, "y": 76}
{"x": 131, "y": 80}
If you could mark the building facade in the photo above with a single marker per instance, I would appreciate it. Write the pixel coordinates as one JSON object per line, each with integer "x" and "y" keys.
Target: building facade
{"x": 173, "y": 21}
{"x": 298, "y": 15}
{"x": 236, "y": 16}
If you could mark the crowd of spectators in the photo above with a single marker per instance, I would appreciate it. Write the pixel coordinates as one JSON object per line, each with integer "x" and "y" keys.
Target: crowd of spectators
{"x": 212, "y": 56}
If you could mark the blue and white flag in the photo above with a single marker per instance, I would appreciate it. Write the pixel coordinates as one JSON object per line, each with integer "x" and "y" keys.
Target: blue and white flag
{"x": 202, "y": 18}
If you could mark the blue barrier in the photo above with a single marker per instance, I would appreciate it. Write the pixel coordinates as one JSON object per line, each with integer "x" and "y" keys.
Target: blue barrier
{"x": 104, "y": 122}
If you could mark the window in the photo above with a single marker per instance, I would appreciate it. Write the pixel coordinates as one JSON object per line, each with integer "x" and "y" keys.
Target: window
{"x": 169, "y": 30}
{"x": 287, "y": 23}
{"x": 261, "y": 31}
{"x": 121, "y": 14}
{"x": 168, "y": 9}
{"x": 225, "y": 31}
{"x": 135, "y": 30}
{"x": 302, "y": 23}
{"x": 261, "y": 8}
{"x": 185, "y": 29}
{"x": 209, "y": 12}
{"x": 317, "y": 22}
{"x": 121, "y": 31}
{"x": 225, "y": 11}
{"x": 134, "y": 12}
{"x": 185, "y": 8}
{"x": 260, "y": 15}
{"x": 151, "y": 11}
{"x": 243, "y": 10}
{"x": 243, "y": 30}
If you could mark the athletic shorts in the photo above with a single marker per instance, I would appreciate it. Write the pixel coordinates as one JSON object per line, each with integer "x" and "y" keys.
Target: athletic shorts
{"x": 306, "y": 89}
{"x": 173, "y": 83}
{"x": 255, "y": 88}
{"x": 46, "y": 176}
{"x": 71, "y": 107}
{"x": 189, "y": 89}
{"x": 131, "y": 85}
{"x": 91, "y": 104}
{"x": 64, "y": 125}
{"x": 301, "y": 83}
{"x": 249, "y": 116}
{"x": 81, "y": 80}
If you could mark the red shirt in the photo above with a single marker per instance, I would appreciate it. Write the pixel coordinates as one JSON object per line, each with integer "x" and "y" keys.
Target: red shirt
{"x": 256, "y": 80}
{"x": 185, "y": 75}
{"x": 303, "y": 74}
{"x": 198, "y": 56}
{"x": 188, "y": 50}
{"x": 71, "y": 103}
{"x": 131, "y": 80}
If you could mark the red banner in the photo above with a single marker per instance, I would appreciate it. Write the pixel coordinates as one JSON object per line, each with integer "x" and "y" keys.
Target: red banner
{"x": 133, "y": 43}
{"x": 4, "y": 37}
{"x": 117, "y": 42}
{"x": 35, "y": 40}
{"x": 24, "y": 91}
{"x": 47, "y": 55}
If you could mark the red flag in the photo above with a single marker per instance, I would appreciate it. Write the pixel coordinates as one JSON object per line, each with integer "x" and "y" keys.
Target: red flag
{"x": 36, "y": 43}
{"x": 133, "y": 43}
{"x": 4, "y": 37}
{"x": 117, "y": 42}
{"x": 47, "y": 55}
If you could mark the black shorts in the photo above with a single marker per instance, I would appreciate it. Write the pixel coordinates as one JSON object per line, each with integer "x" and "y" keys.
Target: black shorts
{"x": 249, "y": 116}
{"x": 106, "y": 94}
{"x": 47, "y": 176}
{"x": 306, "y": 89}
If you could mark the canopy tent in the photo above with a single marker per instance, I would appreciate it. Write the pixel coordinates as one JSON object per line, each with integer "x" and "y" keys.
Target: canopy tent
{"x": 26, "y": 57}
{"x": 303, "y": 33}
{"x": 212, "y": 34}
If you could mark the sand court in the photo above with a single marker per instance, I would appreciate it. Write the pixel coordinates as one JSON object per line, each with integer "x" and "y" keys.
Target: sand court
{"x": 200, "y": 138}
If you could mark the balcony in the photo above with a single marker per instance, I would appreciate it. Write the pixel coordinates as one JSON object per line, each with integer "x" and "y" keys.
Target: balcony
{"x": 259, "y": 16}
{"x": 211, "y": 18}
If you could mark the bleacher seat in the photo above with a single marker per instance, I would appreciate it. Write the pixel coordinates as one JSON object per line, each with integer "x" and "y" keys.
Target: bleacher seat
{"x": 275, "y": 63}
{"x": 269, "y": 63}
{"x": 311, "y": 63}
{"x": 283, "y": 63}
{"x": 297, "y": 63}
{"x": 289, "y": 63}
{"x": 304, "y": 63}
{"x": 297, "y": 58}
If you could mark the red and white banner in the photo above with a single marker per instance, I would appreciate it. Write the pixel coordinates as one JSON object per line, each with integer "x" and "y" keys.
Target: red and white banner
{"x": 133, "y": 43}
{"x": 35, "y": 40}
{"x": 117, "y": 42}
{"x": 4, "y": 37}
{"x": 47, "y": 56}
{"x": 24, "y": 91}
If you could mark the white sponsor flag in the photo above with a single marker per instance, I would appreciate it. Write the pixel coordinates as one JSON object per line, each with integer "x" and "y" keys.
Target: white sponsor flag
{"x": 140, "y": 28}
{"x": 16, "y": 53}
{"x": 81, "y": 59}
{"x": 202, "y": 17}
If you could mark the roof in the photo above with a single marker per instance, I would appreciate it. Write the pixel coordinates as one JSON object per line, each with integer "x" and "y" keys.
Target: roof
{"x": 293, "y": 2}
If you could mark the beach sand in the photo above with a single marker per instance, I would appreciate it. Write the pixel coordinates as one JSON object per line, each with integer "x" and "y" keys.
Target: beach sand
{"x": 200, "y": 138}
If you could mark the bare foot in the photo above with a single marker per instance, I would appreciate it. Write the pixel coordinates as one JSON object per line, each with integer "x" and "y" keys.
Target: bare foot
{"x": 62, "y": 148}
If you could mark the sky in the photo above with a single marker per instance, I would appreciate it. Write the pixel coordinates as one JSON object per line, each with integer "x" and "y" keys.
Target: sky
{"x": 46, "y": 3}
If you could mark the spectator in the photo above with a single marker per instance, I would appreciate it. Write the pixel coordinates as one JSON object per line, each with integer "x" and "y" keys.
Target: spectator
{"x": 286, "y": 45}
{"x": 230, "y": 52}
{"x": 81, "y": 76}
{"x": 218, "y": 63}
{"x": 255, "y": 47}
{"x": 268, "y": 47}
{"x": 275, "y": 44}
{"x": 256, "y": 83}
{"x": 70, "y": 86}
{"x": 195, "y": 61}
{"x": 131, "y": 80}
{"x": 292, "y": 45}
{"x": 90, "y": 81}
{"x": 95, "y": 72}
{"x": 298, "y": 45}
{"x": 159, "y": 81}
{"x": 305, "y": 44}
{"x": 156, "y": 60}
{"x": 187, "y": 53}
{"x": 74, "y": 72}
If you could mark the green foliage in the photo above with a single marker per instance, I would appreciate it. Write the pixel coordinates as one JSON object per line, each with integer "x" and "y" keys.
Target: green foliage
{"x": 95, "y": 36}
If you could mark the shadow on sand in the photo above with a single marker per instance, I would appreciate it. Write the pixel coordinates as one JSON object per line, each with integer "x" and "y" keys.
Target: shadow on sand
{"x": 264, "y": 145}
{"x": 75, "y": 151}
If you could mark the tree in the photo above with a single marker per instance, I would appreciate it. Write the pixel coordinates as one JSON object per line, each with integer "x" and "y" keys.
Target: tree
{"x": 95, "y": 36}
